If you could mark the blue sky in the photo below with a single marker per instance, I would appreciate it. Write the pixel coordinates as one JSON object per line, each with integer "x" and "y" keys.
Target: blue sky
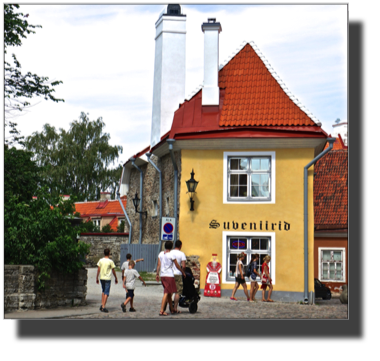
{"x": 104, "y": 54}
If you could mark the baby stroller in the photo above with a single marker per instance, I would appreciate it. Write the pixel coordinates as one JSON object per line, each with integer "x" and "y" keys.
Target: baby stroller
{"x": 190, "y": 296}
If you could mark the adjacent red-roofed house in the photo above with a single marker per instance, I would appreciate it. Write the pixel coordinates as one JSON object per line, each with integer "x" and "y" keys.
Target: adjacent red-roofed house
{"x": 103, "y": 212}
{"x": 331, "y": 217}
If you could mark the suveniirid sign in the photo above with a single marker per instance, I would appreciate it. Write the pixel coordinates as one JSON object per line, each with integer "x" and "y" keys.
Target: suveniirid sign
{"x": 252, "y": 226}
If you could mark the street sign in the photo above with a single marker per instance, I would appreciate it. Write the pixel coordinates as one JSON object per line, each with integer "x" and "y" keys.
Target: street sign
{"x": 168, "y": 229}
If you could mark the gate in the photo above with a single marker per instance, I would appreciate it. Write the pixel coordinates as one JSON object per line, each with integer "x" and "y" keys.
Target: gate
{"x": 147, "y": 251}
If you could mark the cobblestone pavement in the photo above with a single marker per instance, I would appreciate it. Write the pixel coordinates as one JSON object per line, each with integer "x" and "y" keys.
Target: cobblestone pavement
{"x": 226, "y": 309}
{"x": 147, "y": 303}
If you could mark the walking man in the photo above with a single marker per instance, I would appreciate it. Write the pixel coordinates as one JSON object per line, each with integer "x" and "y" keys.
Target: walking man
{"x": 165, "y": 271}
{"x": 181, "y": 260}
{"x": 105, "y": 267}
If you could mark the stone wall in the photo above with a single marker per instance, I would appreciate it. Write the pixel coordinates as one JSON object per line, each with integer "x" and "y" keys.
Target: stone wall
{"x": 99, "y": 243}
{"x": 21, "y": 290}
{"x": 151, "y": 193}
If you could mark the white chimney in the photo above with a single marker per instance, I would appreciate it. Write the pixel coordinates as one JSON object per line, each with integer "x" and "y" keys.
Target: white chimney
{"x": 169, "y": 70}
{"x": 210, "y": 91}
{"x": 105, "y": 196}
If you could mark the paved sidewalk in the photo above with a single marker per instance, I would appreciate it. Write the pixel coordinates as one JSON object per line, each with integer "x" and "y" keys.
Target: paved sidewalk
{"x": 148, "y": 300}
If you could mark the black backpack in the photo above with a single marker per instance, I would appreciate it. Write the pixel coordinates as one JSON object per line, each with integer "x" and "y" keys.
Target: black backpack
{"x": 248, "y": 270}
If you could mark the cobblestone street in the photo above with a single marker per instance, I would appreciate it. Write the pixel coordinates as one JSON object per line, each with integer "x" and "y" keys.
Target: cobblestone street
{"x": 226, "y": 309}
{"x": 148, "y": 301}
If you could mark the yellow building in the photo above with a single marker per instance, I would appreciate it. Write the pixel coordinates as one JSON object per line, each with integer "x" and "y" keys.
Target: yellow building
{"x": 252, "y": 147}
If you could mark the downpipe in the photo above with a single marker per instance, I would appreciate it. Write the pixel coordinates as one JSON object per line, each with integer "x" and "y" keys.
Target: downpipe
{"x": 171, "y": 142}
{"x": 148, "y": 155}
{"x": 305, "y": 217}
{"x": 141, "y": 196}
{"x": 126, "y": 215}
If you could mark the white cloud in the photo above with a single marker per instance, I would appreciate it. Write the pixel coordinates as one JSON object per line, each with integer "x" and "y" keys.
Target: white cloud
{"x": 105, "y": 57}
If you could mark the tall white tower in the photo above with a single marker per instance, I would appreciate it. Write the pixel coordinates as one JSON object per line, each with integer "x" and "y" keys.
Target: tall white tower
{"x": 169, "y": 70}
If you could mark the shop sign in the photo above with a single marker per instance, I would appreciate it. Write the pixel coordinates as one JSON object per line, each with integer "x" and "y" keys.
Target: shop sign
{"x": 252, "y": 226}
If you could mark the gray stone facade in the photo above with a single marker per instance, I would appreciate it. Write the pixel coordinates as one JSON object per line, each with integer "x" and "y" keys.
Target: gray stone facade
{"x": 99, "y": 243}
{"x": 21, "y": 291}
{"x": 151, "y": 194}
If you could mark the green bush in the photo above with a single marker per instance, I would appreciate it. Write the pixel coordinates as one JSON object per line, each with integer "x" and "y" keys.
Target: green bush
{"x": 121, "y": 227}
{"x": 107, "y": 228}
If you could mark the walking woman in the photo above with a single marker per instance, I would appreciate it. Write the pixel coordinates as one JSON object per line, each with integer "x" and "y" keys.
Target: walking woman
{"x": 239, "y": 277}
{"x": 254, "y": 277}
{"x": 266, "y": 281}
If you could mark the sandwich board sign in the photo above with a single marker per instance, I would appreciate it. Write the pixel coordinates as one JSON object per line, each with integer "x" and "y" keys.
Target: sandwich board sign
{"x": 168, "y": 229}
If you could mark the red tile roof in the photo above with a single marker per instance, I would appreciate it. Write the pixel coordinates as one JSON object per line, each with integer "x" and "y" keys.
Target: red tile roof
{"x": 338, "y": 144}
{"x": 114, "y": 224}
{"x": 92, "y": 209}
{"x": 331, "y": 191}
{"x": 254, "y": 97}
{"x": 251, "y": 98}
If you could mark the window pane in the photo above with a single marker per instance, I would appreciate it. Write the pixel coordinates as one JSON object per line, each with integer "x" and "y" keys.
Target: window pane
{"x": 324, "y": 275}
{"x": 326, "y": 255}
{"x": 338, "y": 266}
{"x": 234, "y": 179}
{"x": 255, "y": 244}
{"x": 243, "y": 191}
{"x": 255, "y": 163}
{"x": 264, "y": 179}
{"x": 255, "y": 179}
{"x": 238, "y": 243}
{"x": 243, "y": 179}
{"x": 234, "y": 191}
{"x": 339, "y": 275}
{"x": 243, "y": 164}
{"x": 263, "y": 244}
{"x": 234, "y": 163}
{"x": 255, "y": 192}
{"x": 264, "y": 164}
{"x": 263, "y": 192}
{"x": 337, "y": 256}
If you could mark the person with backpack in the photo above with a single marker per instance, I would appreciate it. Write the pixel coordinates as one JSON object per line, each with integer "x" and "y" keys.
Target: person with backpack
{"x": 239, "y": 277}
{"x": 253, "y": 276}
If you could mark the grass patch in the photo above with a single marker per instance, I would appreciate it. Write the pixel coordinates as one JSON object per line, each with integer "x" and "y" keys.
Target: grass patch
{"x": 148, "y": 276}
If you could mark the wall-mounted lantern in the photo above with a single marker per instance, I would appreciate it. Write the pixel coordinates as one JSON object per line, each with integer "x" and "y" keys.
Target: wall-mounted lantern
{"x": 191, "y": 187}
{"x": 136, "y": 202}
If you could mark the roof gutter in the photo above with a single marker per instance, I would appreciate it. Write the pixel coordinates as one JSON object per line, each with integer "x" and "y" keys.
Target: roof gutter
{"x": 305, "y": 217}
{"x": 171, "y": 142}
{"x": 126, "y": 215}
{"x": 141, "y": 196}
{"x": 148, "y": 155}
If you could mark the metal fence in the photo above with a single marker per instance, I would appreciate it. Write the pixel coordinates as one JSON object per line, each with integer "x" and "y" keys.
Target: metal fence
{"x": 147, "y": 251}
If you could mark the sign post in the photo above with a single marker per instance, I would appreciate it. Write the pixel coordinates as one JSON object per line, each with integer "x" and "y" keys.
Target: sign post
{"x": 167, "y": 229}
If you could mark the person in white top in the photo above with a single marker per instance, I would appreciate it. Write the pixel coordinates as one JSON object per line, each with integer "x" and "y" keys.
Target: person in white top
{"x": 181, "y": 259}
{"x": 124, "y": 267}
{"x": 165, "y": 270}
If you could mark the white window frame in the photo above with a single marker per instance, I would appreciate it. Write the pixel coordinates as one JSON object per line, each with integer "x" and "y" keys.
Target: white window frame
{"x": 95, "y": 221}
{"x": 320, "y": 250}
{"x": 272, "y": 264}
{"x": 272, "y": 155}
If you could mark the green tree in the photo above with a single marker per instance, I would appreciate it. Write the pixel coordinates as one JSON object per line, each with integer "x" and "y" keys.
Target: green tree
{"x": 37, "y": 231}
{"x": 19, "y": 87}
{"x": 21, "y": 174}
{"x": 76, "y": 162}
{"x": 107, "y": 228}
{"x": 121, "y": 227}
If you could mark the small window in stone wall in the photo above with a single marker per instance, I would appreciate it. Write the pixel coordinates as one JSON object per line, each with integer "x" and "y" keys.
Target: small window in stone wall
{"x": 155, "y": 209}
